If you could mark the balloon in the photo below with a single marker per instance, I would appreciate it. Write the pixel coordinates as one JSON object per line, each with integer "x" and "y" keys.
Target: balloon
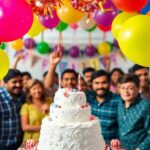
{"x": 130, "y": 5}
{"x": 61, "y": 26}
{"x": 106, "y": 18}
{"x": 61, "y": 48}
{"x": 118, "y": 22}
{"x": 16, "y": 18}
{"x": 68, "y": 14}
{"x": 17, "y": 44}
{"x": 66, "y": 2}
{"x": 134, "y": 39}
{"x": 29, "y": 43}
{"x": 36, "y": 28}
{"x": 49, "y": 21}
{"x": 74, "y": 51}
{"x": 43, "y": 47}
{"x": 146, "y": 8}
{"x": 4, "y": 64}
{"x": 86, "y": 22}
{"x": 3, "y": 46}
{"x": 74, "y": 26}
{"x": 115, "y": 43}
{"x": 90, "y": 50}
{"x": 104, "y": 28}
{"x": 104, "y": 48}
{"x": 92, "y": 29}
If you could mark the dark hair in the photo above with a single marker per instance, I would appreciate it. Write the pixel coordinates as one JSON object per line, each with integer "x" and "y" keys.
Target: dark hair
{"x": 136, "y": 67}
{"x": 44, "y": 74}
{"x": 116, "y": 69}
{"x": 12, "y": 73}
{"x": 99, "y": 73}
{"x": 88, "y": 69}
{"x": 26, "y": 74}
{"x": 129, "y": 78}
{"x": 69, "y": 71}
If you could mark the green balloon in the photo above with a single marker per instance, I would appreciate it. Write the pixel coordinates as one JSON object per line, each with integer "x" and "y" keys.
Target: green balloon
{"x": 92, "y": 29}
{"x": 61, "y": 26}
{"x": 3, "y": 46}
{"x": 43, "y": 48}
{"x": 111, "y": 45}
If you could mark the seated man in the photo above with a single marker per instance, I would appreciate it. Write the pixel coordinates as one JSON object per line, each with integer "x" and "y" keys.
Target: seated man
{"x": 133, "y": 115}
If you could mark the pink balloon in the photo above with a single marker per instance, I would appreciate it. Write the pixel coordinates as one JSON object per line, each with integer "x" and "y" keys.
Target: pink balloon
{"x": 74, "y": 26}
{"x": 16, "y": 18}
{"x": 49, "y": 21}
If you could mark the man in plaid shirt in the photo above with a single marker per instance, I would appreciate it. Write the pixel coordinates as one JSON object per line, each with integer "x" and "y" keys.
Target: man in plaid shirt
{"x": 11, "y": 100}
{"x": 104, "y": 104}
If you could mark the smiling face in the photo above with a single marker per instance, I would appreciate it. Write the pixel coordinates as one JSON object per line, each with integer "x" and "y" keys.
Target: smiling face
{"x": 14, "y": 85}
{"x": 128, "y": 91}
{"x": 100, "y": 85}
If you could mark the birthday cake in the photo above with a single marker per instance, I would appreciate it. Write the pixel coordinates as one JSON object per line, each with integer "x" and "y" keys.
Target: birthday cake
{"x": 70, "y": 125}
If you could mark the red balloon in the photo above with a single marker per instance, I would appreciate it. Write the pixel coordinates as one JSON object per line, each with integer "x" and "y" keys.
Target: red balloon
{"x": 130, "y": 5}
{"x": 104, "y": 28}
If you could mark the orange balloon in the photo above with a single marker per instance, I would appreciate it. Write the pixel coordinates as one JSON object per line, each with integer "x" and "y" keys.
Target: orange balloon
{"x": 68, "y": 14}
{"x": 17, "y": 44}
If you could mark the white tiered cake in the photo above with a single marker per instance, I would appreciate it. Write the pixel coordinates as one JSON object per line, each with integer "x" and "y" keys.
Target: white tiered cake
{"x": 70, "y": 125}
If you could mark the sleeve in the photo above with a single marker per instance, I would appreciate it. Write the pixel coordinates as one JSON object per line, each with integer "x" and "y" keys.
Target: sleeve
{"x": 24, "y": 109}
{"x": 145, "y": 145}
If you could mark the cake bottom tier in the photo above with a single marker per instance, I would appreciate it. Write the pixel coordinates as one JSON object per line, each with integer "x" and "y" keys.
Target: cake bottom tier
{"x": 70, "y": 136}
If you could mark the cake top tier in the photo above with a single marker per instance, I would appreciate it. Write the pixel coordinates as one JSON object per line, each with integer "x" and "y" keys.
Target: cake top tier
{"x": 69, "y": 98}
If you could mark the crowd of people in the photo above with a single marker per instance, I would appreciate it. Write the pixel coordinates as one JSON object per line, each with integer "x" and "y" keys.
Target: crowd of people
{"x": 120, "y": 100}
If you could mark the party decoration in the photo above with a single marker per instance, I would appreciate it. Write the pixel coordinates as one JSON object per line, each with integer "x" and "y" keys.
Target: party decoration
{"x": 130, "y": 5}
{"x": 118, "y": 22}
{"x": 74, "y": 51}
{"x": 49, "y": 21}
{"x": 19, "y": 14}
{"x": 61, "y": 26}
{"x": 90, "y": 50}
{"x": 43, "y": 48}
{"x": 4, "y": 64}
{"x": 105, "y": 19}
{"x": 104, "y": 48}
{"x": 68, "y": 14}
{"x": 92, "y": 29}
{"x": 36, "y": 28}
{"x": 29, "y": 43}
{"x": 17, "y": 44}
{"x": 88, "y": 5}
{"x": 104, "y": 28}
{"x": 146, "y": 8}
{"x": 59, "y": 47}
{"x": 43, "y": 7}
{"x": 134, "y": 39}
{"x": 86, "y": 22}
{"x": 2, "y": 46}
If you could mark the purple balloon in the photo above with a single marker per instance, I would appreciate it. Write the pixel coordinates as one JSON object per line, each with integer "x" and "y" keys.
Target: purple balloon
{"x": 90, "y": 50}
{"x": 29, "y": 43}
{"x": 74, "y": 51}
{"x": 62, "y": 49}
{"x": 106, "y": 18}
{"x": 115, "y": 43}
{"x": 49, "y": 21}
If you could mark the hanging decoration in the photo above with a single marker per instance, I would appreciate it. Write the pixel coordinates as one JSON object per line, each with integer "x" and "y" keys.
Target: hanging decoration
{"x": 88, "y": 5}
{"x": 44, "y": 7}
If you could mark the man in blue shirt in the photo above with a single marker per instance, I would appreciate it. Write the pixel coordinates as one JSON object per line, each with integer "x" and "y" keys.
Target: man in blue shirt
{"x": 11, "y": 99}
{"x": 104, "y": 104}
{"x": 133, "y": 115}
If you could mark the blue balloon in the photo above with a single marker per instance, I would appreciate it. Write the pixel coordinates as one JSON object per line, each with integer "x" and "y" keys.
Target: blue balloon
{"x": 146, "y": 8}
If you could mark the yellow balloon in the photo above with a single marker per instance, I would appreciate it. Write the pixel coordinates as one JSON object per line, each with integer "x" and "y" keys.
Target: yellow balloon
{"x": 66, "y": 2}
{"x": 104, "y": 48}
{"x": 4, "y": 64}
{"x": 119, "y": 21}
{"x": 36, "y": 28}
{"x": 17, "y": 44}
{"x": 134, "y": 39}
{"x": 68, "y": 14}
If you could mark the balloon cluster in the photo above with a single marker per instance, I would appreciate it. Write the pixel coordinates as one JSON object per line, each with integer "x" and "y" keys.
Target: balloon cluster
{"x": 43, "y": 7}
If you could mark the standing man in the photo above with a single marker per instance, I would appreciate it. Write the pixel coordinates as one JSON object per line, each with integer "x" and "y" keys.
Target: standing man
{"x": 133, "y": 115}
{"x": 143, "y": 74}
{"x": 104, "y": 104}
{"x": 11, "y": 100}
